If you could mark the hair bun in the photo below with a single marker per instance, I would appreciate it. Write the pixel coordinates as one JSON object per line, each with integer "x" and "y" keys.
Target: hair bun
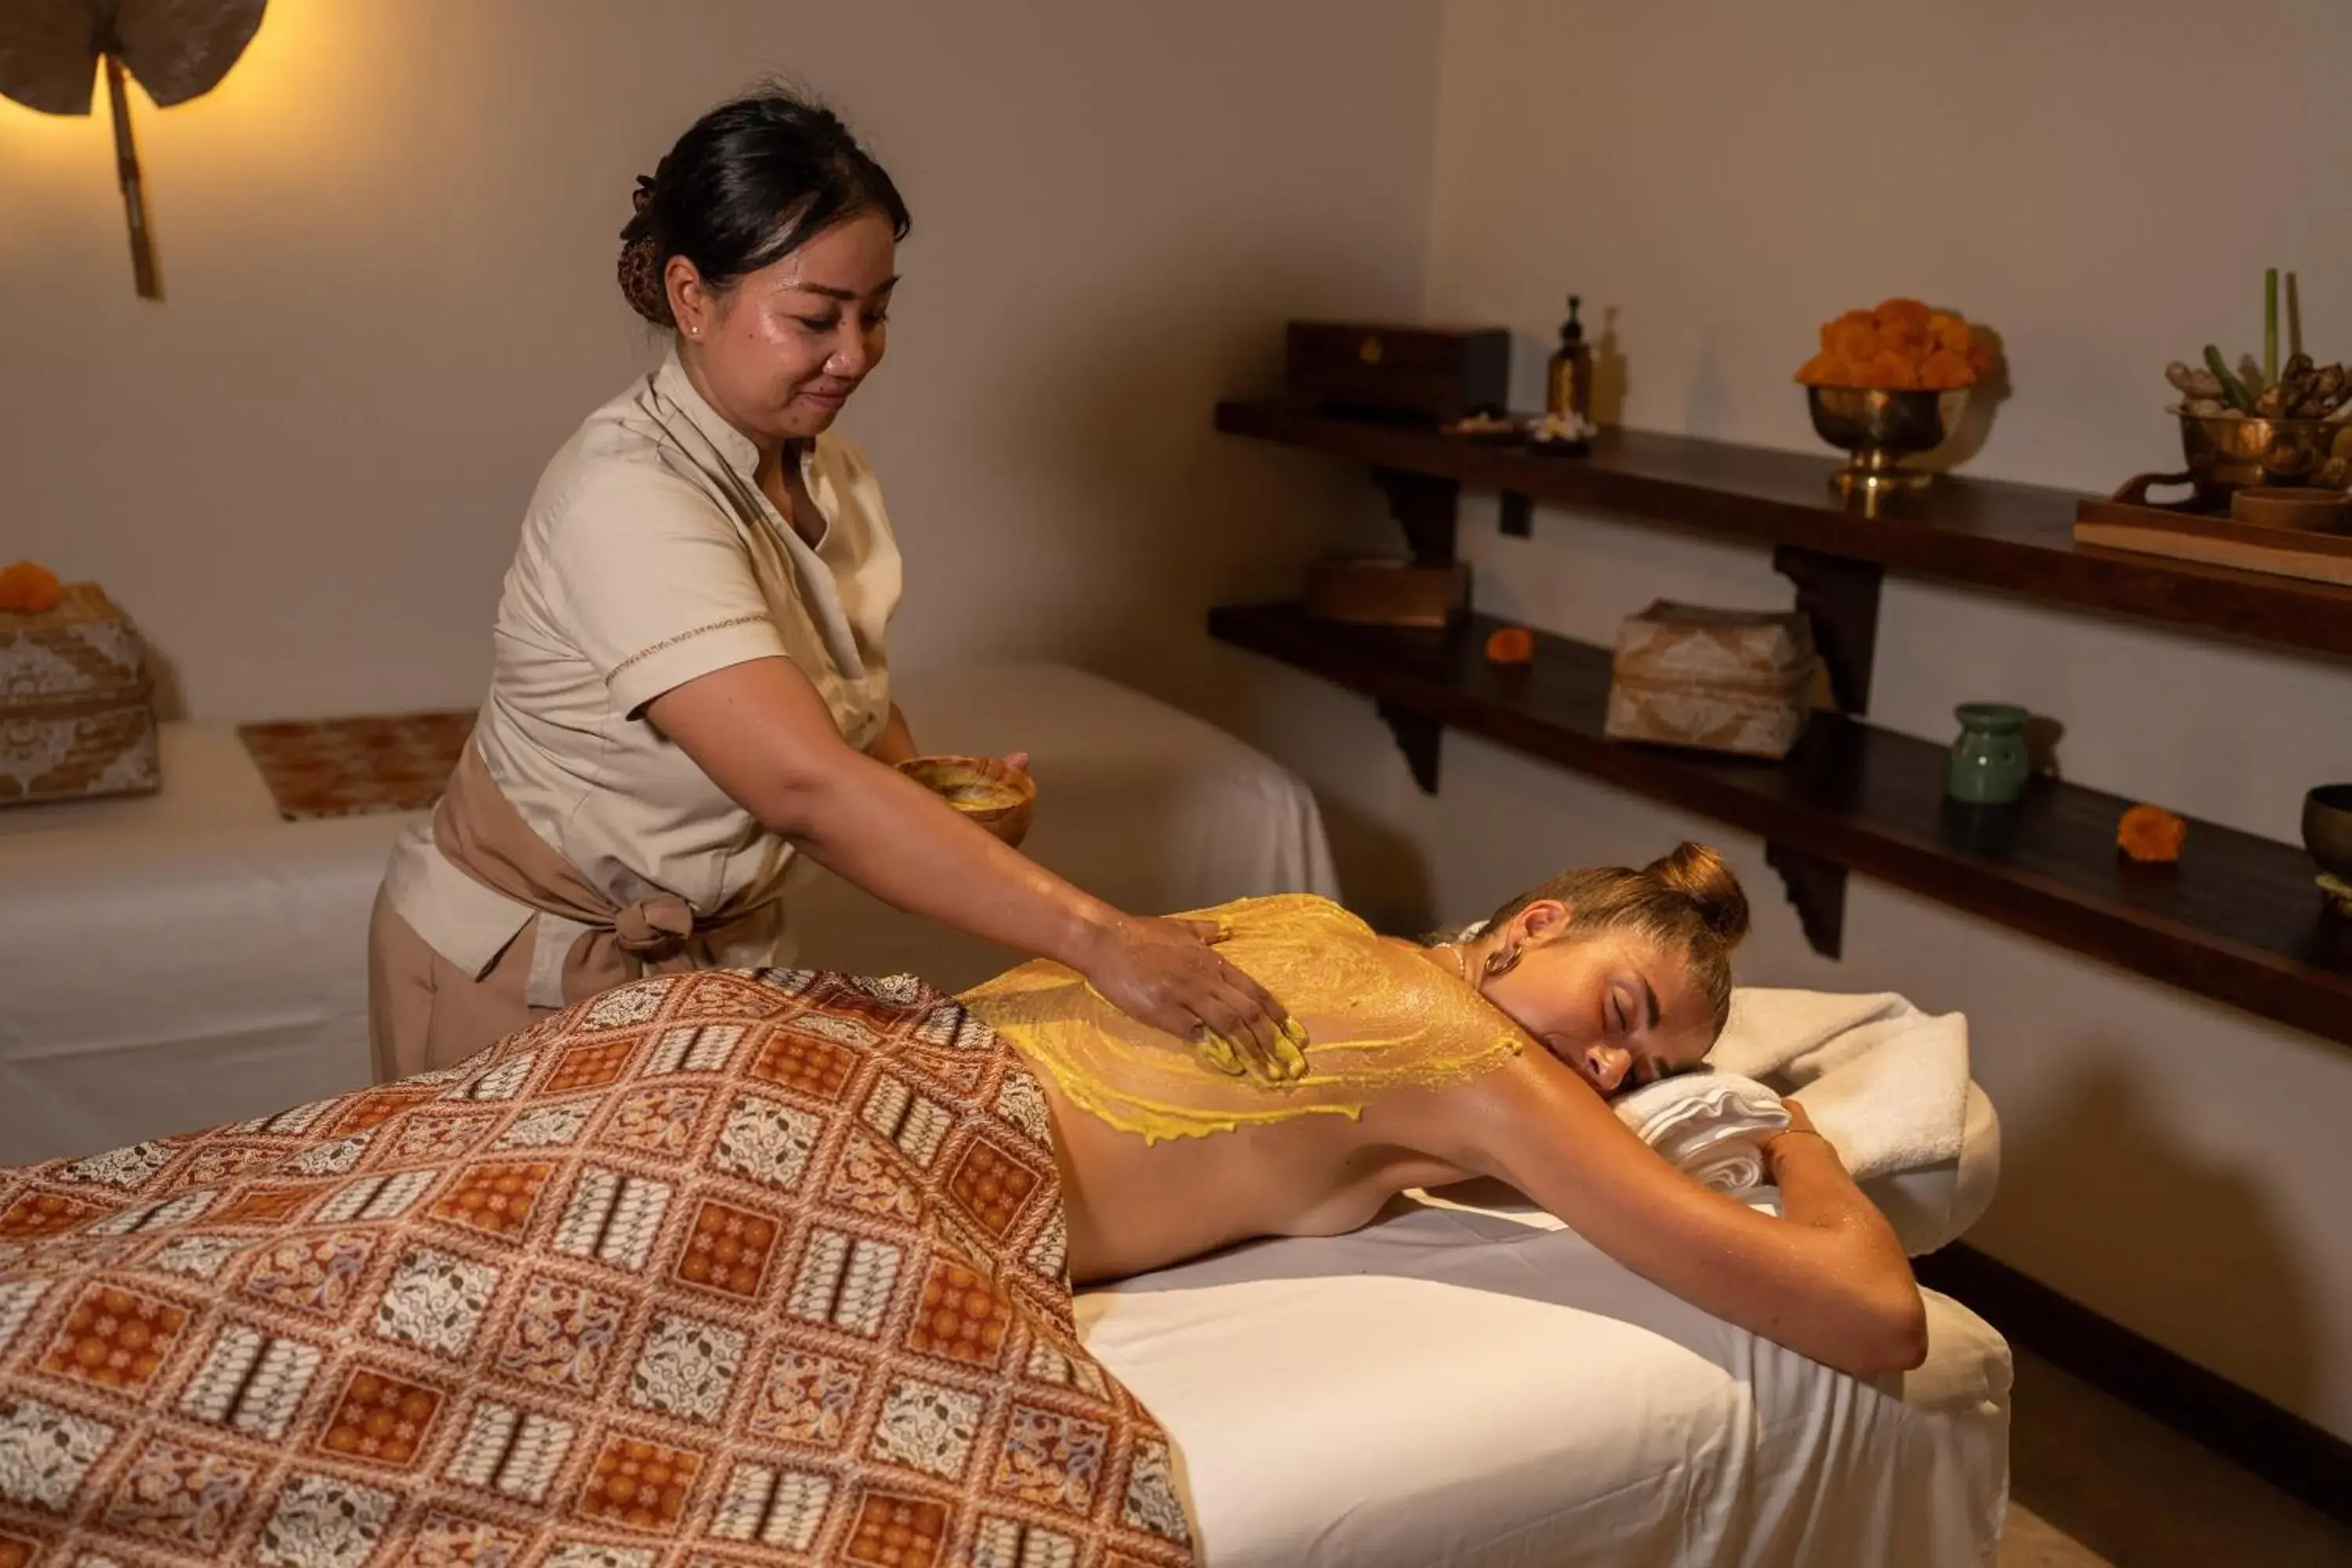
{"x": 640, "y": 273}
{"x": 1706, "y": 879}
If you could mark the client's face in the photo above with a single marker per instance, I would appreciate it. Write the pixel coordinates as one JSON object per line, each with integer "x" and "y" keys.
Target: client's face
{"x": 1618, "y": 1010}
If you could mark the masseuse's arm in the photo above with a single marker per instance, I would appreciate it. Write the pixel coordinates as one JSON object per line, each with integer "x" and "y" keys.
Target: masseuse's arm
{"x": 762, "y": 733}
{"x": 1827, "y": 1278}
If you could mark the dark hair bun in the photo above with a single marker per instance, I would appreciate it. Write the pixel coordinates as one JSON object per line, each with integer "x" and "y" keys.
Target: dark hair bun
{"x": 642, "y": 283}
{"x": 1706, "y": 879}
{"x": 749, "y": 183}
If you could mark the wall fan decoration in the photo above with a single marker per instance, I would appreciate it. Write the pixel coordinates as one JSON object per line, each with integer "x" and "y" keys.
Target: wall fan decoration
{"x": 51, "y": 52}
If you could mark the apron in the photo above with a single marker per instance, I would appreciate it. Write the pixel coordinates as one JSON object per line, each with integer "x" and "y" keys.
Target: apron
{"x": 425, "y": 1012}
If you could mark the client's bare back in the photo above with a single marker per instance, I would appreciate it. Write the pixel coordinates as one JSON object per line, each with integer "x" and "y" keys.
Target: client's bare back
{"x": 1165, "y": 1158}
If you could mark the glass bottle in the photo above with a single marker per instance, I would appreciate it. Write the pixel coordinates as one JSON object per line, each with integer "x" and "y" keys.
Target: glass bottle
{"x": 1568, "y": 380}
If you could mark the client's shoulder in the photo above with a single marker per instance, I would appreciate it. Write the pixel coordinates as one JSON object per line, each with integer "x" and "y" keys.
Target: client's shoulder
{"x": 1286, "y": 908}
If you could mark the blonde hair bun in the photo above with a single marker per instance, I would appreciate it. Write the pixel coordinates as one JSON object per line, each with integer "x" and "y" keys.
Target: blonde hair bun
{"x": 1706, "y": 879}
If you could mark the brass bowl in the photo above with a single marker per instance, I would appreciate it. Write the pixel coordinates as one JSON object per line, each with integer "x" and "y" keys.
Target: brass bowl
{"x": 1882, "y": 426}
{"x": 2229, "y": 452}
{"x": 980, "y": 788}
{"x": 2327, "y": 828}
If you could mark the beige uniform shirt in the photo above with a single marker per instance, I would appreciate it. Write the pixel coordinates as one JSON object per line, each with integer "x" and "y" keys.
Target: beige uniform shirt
{"x": 650, "y": 557}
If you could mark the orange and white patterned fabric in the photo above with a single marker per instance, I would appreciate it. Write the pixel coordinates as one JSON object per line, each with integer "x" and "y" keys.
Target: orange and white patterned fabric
{"x": 713, "y": 1271}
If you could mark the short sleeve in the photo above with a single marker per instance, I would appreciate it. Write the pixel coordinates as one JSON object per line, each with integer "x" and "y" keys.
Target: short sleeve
{"x": 654, "y": 583}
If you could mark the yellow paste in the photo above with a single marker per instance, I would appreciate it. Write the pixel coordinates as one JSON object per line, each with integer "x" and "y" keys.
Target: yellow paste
{"x": 1379, "y": 1015}
{"x": 972, "y": 789}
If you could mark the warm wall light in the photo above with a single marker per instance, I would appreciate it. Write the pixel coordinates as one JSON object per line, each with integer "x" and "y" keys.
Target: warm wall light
{"x": 50, "y": 50}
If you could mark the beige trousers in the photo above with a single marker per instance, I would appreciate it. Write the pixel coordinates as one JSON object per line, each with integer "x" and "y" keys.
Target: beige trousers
{"x": 424, "y": 1011}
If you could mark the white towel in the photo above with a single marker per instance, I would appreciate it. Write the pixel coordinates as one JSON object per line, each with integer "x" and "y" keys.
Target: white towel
{"x": 1709, "y": 1125}
{"x": 1885, "y": 1083}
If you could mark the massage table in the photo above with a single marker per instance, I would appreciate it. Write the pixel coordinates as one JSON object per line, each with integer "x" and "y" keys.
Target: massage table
{"x": 1464, "y": 1382}
{"x": 187, "y": 958}
{"x": 1467, "y": 1382}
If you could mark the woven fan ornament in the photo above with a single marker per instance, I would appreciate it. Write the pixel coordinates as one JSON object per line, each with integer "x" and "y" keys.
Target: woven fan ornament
{"x": 51, "y": 51}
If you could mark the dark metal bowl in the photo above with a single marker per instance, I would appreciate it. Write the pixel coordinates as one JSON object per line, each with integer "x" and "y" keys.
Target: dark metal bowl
{"x": 2227, "y": 453}
{"x": 2327, "y": 828}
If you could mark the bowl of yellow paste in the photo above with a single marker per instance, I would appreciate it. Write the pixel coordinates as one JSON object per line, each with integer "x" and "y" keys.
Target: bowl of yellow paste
{"x": 999, "y": 798}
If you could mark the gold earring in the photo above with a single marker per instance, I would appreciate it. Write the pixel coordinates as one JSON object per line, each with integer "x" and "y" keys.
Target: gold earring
{"x": 1500, "y": 962}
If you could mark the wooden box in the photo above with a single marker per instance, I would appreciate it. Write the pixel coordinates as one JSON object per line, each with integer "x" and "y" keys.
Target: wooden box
{"x": 76, "y": 717}
{"x": 1377, "y": 592}
{"x": 1722, "y": 680}
{"x": 1428, "y": 372}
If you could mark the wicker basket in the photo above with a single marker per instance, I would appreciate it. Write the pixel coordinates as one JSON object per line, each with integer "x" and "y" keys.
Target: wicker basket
{"x": 77, "y": 717}
{"x": 1721, "y": 680}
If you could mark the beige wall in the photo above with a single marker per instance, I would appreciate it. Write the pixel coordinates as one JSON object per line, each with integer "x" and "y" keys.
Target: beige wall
{"x": 388, "y": 240}
{"x": 2102, "y": 183}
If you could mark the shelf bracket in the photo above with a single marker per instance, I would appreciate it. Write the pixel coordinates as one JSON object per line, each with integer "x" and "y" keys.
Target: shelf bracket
{"x": 1817, "y": 889}
{"x": 1517, "y": 516}
{"x": 1841, "y": 598}
{"x": 1424, "y": 506}
{"x": 1417, "y": 736}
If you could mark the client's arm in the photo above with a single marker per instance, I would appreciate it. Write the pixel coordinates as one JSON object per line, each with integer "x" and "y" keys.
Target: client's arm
{"x": 1828, "y": 1280}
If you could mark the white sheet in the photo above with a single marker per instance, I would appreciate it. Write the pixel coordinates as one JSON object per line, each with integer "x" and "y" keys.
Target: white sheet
{"x": 1474, "y": 1386}
{"x": 188, "y": 959}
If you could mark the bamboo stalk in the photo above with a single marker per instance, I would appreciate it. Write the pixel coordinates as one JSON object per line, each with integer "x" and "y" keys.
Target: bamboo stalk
{"x": 2270, "y": 326}
{"x": 134, "y": 196}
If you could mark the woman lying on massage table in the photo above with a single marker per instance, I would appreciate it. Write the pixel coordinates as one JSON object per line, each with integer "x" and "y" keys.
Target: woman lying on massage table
{"x": 783, "y": 1258}
{"x": 1490, "y": 1056}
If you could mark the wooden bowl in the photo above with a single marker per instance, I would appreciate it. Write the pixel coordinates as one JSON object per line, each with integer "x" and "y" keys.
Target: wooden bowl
{"x": 2292, "y": 505}
{"x": 982, "y": 789}
{"x": 2327, "y": 828}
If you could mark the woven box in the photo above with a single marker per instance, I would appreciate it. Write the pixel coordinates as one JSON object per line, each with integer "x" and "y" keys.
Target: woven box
{"x": 1723, "y": 681}
{"x": 75, "y": 712}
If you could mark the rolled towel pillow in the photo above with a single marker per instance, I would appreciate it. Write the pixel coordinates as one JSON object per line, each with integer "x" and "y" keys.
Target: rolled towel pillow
{"x": 1711, "y": 1126}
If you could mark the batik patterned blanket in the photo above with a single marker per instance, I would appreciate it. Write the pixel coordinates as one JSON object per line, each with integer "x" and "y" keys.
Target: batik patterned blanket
{"x": 715, "y": 1270}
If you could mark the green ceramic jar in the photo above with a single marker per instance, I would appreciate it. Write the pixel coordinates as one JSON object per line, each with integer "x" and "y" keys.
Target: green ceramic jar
{"x": 1989, "y": 765}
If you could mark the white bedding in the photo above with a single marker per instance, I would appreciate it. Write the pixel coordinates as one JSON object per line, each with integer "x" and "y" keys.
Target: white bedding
{"x": 188, "y": 959}
{"x": 1472, "y": 1386}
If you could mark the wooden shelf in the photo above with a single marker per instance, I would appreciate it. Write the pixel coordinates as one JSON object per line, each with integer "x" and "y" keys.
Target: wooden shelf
{"x": 2236, "y": 920}
{"x": 2016, "y": 538}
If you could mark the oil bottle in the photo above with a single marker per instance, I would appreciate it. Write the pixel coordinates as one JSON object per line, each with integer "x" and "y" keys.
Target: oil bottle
{"x": 1568, "y": 381}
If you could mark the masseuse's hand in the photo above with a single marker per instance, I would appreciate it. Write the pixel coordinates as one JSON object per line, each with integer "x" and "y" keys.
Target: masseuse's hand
{"x": 1167, "y": 974}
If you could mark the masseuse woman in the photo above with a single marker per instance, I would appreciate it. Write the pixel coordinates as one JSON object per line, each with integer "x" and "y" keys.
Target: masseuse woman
{"x": 689, "y": 684}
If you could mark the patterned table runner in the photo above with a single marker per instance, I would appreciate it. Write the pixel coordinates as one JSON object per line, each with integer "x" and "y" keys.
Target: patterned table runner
{"x": 354, "y": 767}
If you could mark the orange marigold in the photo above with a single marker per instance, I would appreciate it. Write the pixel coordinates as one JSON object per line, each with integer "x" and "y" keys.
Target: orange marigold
{"x": 1901, "y": 344}
{"x": 28, "y": 588}
{"x": 1511, "y": 645}
{"x": 2151, "y": 833}
{"x": 1909, "y": 313}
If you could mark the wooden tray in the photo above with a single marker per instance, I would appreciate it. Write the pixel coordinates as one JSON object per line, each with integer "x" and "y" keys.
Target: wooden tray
{"x": 2129, "y": 520}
